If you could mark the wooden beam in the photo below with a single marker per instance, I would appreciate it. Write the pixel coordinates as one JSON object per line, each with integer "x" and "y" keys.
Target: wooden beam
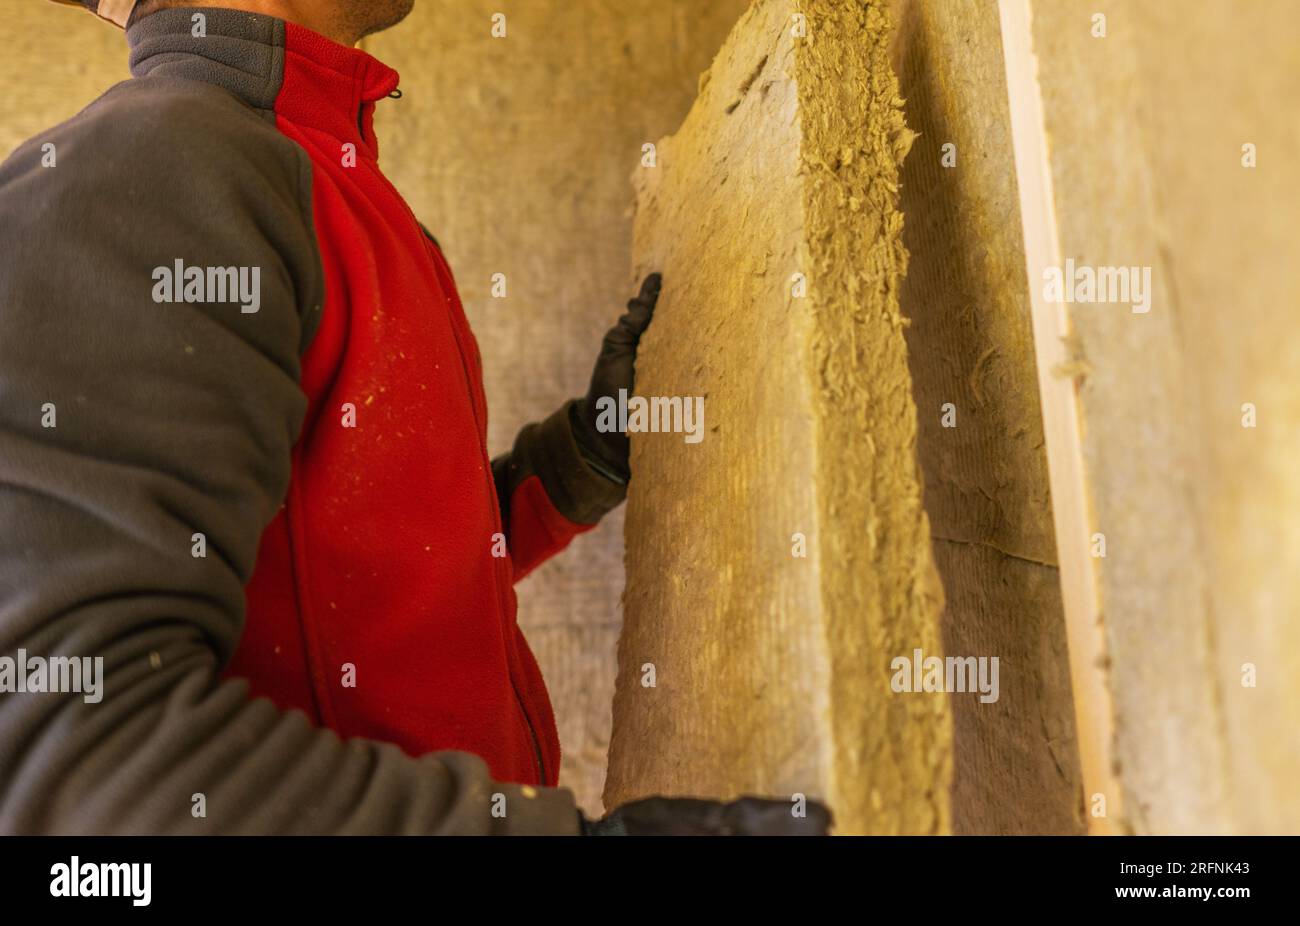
{"x": 1062, "y": 422}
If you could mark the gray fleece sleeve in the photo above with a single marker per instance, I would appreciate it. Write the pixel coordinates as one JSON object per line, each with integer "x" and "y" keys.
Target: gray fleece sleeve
{"x": 128, "y": 428}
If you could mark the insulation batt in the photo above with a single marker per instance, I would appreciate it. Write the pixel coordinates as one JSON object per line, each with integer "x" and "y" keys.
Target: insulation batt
{"x": 971, "y": 353}
{"x": 777, "y": 567}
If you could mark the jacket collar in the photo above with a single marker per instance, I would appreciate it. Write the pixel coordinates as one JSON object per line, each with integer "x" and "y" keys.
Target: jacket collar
{"x": 272, "y": 65}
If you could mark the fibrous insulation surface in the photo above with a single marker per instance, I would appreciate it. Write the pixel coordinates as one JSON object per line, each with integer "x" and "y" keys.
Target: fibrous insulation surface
{"x": 744, "y": 666}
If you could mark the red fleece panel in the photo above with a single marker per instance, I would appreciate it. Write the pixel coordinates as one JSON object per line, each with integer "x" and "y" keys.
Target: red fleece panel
{"x": 377, "y": 605}
{"x": 537, "y": 529}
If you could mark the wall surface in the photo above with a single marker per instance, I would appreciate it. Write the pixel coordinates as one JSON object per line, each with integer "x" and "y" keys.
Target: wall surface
{"x": 516, "y": 152}
{"x": 1196, "y": 589}
{"x": 55, "y": 61}
{"x": 971, "y": 353}
{"x": 746, "y": 667}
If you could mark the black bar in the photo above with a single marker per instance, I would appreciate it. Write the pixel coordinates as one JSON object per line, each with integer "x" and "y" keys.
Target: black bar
{"x": 563, "y": 878}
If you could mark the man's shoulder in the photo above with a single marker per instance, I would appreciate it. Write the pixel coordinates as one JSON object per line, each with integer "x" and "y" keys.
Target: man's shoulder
{"x": 165, "y": 130}
{"x": 156, "y": 169}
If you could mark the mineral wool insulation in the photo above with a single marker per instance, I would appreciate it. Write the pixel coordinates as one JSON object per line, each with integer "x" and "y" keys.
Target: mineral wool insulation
{"x": 777, "y": 567}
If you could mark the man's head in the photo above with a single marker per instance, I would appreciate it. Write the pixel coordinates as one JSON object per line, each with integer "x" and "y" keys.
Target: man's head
{"x": 345, "y": 21}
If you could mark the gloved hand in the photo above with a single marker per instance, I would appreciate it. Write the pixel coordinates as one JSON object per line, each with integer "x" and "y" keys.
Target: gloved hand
{"x": 607, "y": 451}
{"x": 672, "y": 816}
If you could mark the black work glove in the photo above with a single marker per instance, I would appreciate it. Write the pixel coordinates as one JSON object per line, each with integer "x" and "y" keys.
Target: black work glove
{"x": 680, "y": 816}
{"x": 607, "y": 451}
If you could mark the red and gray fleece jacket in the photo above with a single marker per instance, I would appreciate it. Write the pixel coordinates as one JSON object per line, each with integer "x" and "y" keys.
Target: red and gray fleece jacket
{"x": 243, "y": 462}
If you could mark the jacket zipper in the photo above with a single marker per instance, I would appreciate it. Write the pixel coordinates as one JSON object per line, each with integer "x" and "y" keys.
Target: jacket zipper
{"x": 538, "y": 761}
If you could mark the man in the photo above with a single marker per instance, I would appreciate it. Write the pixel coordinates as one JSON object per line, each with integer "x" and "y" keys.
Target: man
{"x": 242, "y": 460}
